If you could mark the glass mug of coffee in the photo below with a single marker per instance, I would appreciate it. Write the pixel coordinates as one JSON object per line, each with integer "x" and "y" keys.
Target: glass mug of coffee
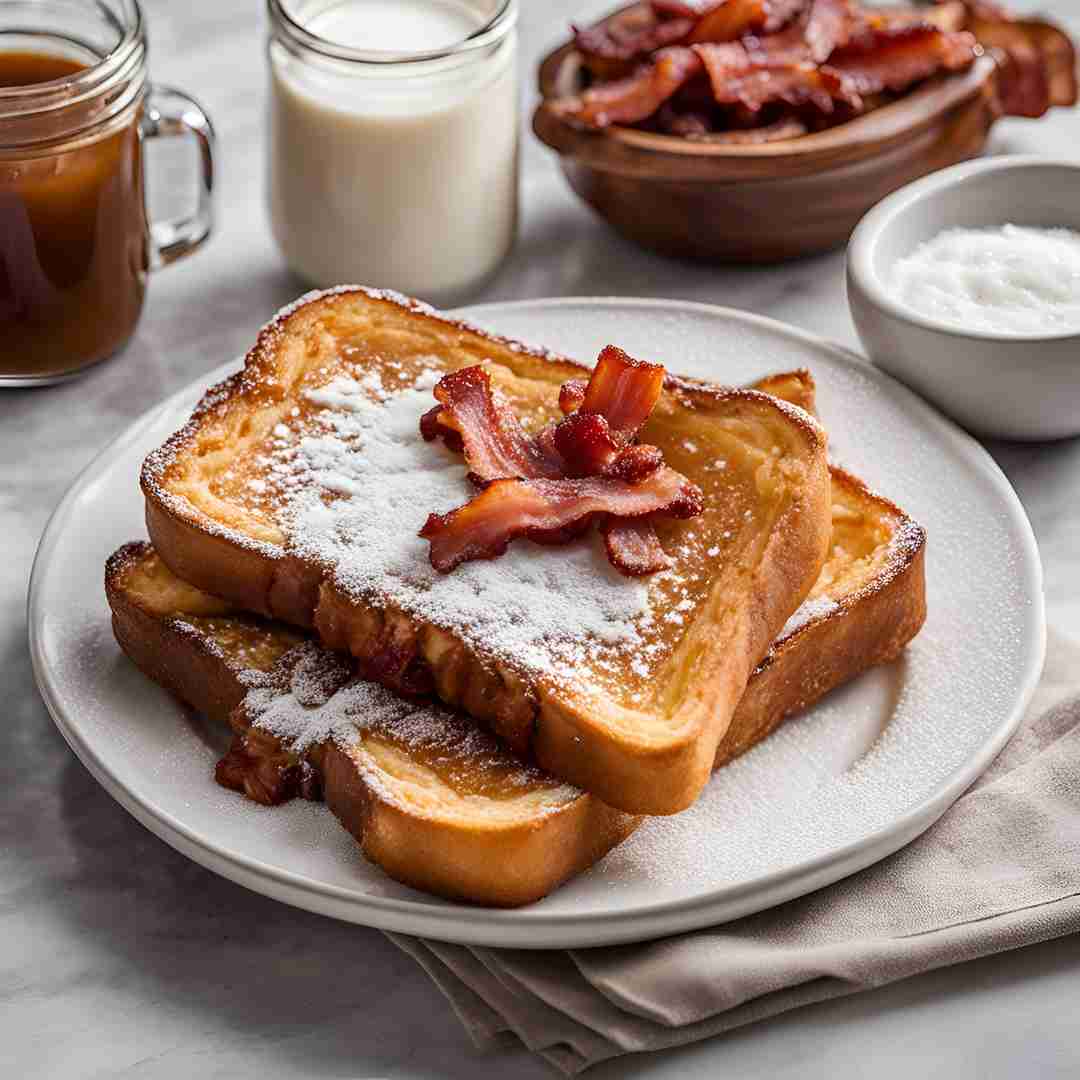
{"x": 75, "y": 242}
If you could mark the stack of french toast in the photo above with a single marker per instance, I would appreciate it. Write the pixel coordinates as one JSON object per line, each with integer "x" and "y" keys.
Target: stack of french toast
{"x": 494, "y": 607}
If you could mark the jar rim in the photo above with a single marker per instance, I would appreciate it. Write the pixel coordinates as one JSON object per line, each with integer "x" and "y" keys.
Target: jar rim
{"x": 491, "y": 32}
{"x": 120, "y": 64}
{"x": 40, "y": 116}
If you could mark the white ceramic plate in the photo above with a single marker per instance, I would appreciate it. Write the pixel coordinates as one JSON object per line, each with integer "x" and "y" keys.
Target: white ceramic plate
{"x": 835, "y": 789}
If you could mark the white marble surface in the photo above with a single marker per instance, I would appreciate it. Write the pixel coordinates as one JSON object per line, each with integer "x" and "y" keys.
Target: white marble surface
{"x": 119, "y": 957}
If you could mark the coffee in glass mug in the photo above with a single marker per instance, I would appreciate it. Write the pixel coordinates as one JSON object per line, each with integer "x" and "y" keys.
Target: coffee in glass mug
{"x": 75, "y": 242}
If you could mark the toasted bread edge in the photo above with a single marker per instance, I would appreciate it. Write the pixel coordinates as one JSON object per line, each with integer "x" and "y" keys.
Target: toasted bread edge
{"x": 868, "y": 628}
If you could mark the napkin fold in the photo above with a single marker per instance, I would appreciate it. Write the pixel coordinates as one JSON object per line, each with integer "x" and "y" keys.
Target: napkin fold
{"x": 1001, "y": 869}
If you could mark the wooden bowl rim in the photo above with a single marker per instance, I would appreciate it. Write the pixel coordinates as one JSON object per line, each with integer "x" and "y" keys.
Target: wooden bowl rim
{"x": 898, "y": 119}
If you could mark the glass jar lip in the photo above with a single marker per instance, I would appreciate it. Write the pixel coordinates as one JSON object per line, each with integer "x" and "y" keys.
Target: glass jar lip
{"x": 120, "y": 63}
{"x": 500, "y": 23}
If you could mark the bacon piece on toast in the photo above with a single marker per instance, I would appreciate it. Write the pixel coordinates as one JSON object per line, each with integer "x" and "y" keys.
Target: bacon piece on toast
{"x": 508, "y": 509}
{"x": 636, "y": 463}
{"x": 432, "y": 428}
{"x": 623, "y": 390}
{"x": 486, "y": 428}
{"x": 586, "y": 443}
{"x": 258, "y": 766}
{"x": 633, "y": 546}
{"x": 535, "y": 486}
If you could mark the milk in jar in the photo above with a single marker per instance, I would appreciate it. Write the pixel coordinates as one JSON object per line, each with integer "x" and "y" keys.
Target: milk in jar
{"x": 394, "y": 141}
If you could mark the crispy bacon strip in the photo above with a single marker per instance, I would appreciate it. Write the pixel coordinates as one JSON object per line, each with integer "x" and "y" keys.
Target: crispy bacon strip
{"x": 894, "y": 58}
{"x": 734, "y": 18}
{"x": 585, "y": 442}
{"x": 726, "y": 20}
{"x": 432, "y": 428}
{"x": 495, "y": 443}
{"x": 784, "y": 67}
{"x": 508, "y": 509}
{"x": 829, "y": 24}
{"x": 739, "y": 79}
{"x": 1039, "y": 69}
{"x": 1023, "y": 86}
{"x": 633, "y": 546}
{"x": 550, "y": 487}
{"x": 816, "y": 53}
{"x": 636, "y": 97}
{"x": 822, "y": 27}
{"x": 623, "y": 390}
{"x": 612, "y": 47}
{"x": 636, "y": 463}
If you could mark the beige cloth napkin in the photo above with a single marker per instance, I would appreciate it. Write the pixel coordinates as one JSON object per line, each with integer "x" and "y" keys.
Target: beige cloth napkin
{"x": 1000, "y": 870}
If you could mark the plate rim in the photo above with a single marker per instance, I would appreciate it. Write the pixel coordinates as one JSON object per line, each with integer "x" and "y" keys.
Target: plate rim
{"x": 528, "y": 927}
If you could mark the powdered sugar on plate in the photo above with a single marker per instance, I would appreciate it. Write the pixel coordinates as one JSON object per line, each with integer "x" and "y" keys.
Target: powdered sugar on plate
{"x": 543, "y": 609}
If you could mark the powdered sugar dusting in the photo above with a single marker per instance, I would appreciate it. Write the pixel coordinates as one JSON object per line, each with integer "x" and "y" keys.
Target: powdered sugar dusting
{"x": 316, "y": 702}
{"x": 810, "y": 610}
{"x": 543, "y": 609}
{"x": 311, "y": 696}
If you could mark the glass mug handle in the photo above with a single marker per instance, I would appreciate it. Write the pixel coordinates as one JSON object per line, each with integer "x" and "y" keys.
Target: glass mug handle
{"x": 170, "y": 112}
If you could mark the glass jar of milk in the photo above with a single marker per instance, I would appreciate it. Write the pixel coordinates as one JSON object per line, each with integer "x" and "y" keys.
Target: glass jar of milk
{"x": 394, "y": 141}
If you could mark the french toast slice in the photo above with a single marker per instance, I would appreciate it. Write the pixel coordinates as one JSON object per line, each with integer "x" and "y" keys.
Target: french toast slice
{"x": 436, "y": 802}
{"x": 433, "y": 800}
{"x": 298, "y": 487}
{"x": 867, "y": 604}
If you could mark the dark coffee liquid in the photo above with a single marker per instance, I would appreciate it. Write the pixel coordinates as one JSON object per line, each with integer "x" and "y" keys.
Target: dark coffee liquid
{"x": 26, "y": 69}
{"x": 73, "y": 238}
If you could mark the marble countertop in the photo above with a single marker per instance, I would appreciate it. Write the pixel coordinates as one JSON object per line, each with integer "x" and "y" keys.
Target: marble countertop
{"x": 120, "y": 957}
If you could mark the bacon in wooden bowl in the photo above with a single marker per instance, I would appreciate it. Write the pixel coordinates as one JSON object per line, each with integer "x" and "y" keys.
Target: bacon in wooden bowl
{"x": 761, "y": 130}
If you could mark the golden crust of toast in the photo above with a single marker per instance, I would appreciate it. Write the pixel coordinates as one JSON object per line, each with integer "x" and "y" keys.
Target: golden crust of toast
{"x": 795, "y": 387}
{"x": 636, "y": 724}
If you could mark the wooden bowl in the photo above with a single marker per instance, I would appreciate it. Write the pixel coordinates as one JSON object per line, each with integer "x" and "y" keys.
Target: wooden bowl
{"x": 772, "y": 201}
